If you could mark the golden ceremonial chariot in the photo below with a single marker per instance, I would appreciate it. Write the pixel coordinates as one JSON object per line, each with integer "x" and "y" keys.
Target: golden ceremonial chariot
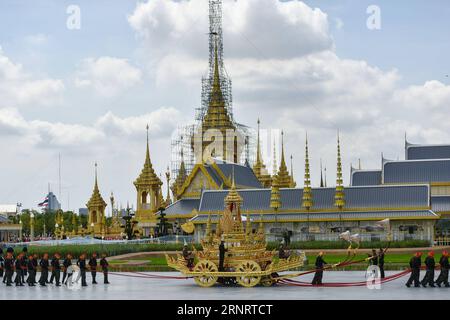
{"x": 246, "y": 261}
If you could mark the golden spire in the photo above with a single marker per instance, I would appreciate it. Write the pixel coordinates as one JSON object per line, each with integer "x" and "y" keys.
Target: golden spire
{"x": 307, "y": 202}
{"x": 284, "y": 179}
{"x": 233, "y": 196}
{"x": 275, "y": 198}
{"x": 259, "y": 168}
{"x": 168, "y": 200}
{"x": 96, "y": 199}
{"x": 217, "y": 116}
{"x": 148, "y": 177}
{"x": 339, "y": 198}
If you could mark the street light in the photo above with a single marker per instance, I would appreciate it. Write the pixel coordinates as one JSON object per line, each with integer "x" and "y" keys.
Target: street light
{"x": 32, "y": 226}
{"x": 20, "y": 231}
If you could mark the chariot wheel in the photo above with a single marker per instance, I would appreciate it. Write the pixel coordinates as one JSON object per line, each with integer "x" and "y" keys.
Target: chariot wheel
{"x": 248, "y": 279}
{"x": 208, "y": 269}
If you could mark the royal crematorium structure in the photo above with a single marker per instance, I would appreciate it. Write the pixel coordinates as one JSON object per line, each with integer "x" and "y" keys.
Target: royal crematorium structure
{"x": 413, "y": 193}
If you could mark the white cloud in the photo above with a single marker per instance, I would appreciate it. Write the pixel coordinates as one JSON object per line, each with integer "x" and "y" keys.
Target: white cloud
{"x": 277, "y": 29}
{"x": 108, "y": 76}
{"x": 18, "y": 88}
{"x": 53, "y": 135}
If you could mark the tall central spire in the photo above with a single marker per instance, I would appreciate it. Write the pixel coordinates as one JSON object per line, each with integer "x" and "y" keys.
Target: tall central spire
{"x": 216, "y": 115}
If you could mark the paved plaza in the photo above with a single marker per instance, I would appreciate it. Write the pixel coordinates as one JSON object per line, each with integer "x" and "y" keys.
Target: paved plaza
{"x": 133, "y": 288}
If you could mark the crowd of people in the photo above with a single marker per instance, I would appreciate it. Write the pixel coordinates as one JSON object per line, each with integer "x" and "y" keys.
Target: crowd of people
{"x": 23, "y": 268}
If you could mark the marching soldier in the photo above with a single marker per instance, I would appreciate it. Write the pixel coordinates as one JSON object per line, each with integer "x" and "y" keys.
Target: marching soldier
{"x": 23, "y": 263}
{"x": 429, "y": 275}
{"x": 82, "y": 264}
{"x": 381, "y": 262}
{"x": 32, "y": 268}
{"x": 18, "y": 267}
{"x": 2, "y": 263}
{"x": 9, "y": 267}
{"x": 443, "y": 276}
{"x": 44, "y": 270}
{"x": 104, "y": 263}
{"x": 66, "y": 264}
{"x": 317, "y": 280}
{"x": 56, "y": 269}
{"x": 93, "y": 267}
{"x": 415, "y": 264}
{"x": 35, "y": 267}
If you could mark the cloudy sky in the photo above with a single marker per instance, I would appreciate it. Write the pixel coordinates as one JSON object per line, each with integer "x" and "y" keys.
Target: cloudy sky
{"x": 314, "y": 66}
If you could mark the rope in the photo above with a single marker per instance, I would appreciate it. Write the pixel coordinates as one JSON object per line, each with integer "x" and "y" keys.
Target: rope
{"x": 148, "y": 276}
{"x": 343, "y": 284}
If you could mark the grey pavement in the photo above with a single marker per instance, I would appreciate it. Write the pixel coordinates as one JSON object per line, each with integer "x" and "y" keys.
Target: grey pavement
{"x": 124, "y": 287}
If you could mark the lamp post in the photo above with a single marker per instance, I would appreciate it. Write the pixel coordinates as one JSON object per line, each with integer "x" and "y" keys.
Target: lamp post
{"x": 32, "y": 226}
{"x": 56, "y": 230}
{"x": 20, "y": 230}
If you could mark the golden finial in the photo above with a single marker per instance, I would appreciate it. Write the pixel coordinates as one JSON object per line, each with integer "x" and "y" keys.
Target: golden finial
{"x": 284, "y": 179}
{"x": 339, "y": 198}
{"x": 307, "y": 202}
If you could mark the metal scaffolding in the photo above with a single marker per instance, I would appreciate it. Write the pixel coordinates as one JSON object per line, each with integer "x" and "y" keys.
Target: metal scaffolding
{"x": 181, "y": 143}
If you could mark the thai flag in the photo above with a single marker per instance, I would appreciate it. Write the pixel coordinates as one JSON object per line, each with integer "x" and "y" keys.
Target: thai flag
{"x": 44, "y": 203}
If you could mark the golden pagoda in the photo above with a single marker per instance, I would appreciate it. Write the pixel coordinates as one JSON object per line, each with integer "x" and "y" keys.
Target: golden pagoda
{"x": 180, "y": 179}
{"x": 149, "y": 195}
{"x": 283, "y": 177}
{"x": 307, "y": 201}
{"x": 260, "y": 168}
{"x": 217, "y": 120}
{"x": 96, "y": 210}
{"x": 339, "y": 197}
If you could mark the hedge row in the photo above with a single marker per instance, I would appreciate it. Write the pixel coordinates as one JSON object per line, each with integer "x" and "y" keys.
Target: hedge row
{"x": 118, "y": 249}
